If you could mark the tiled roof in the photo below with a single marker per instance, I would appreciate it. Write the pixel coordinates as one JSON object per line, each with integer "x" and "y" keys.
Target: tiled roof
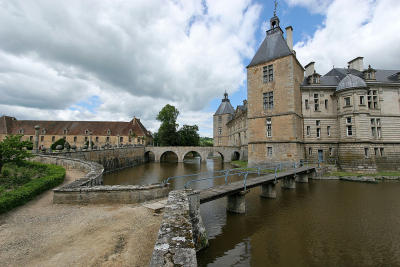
{"x": 10, "y": 125}
{"x": 351, "y": 81}
{"x": 225, "y": 108}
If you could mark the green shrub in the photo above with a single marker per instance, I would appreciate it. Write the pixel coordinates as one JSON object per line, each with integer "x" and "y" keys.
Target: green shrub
{"x": 54, "y": 175}
{"x": 58, "y": 142}
{"x": 5, "y": 173}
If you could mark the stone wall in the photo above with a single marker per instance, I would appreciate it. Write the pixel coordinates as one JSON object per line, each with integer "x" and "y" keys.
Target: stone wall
{"x": 174, "y": 245}
{"x": 89, "y": 189}
{"x": 111, "y": 159}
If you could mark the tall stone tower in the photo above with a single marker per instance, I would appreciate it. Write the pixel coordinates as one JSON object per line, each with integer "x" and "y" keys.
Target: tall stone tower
{"x": 274, "y": 75}
{"x": 224, "y": 114}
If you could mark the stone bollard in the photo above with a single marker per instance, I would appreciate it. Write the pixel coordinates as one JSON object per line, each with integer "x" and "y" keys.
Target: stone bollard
{"x": 302, "y": 178}
{"x": 289, "y": 182}
{"x": 268, "y": 190}
{"x": 237, "y": 202}
{"x": 200, "y": 238}
{"x": 36, "y": 145}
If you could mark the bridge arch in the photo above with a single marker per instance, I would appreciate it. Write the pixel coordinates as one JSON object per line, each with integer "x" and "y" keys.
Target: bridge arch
{"x": 169, "y": 156}
{"x": 194, "y": 153}
{"x": 149, "y": 156}
{"x": 235, "y": 155}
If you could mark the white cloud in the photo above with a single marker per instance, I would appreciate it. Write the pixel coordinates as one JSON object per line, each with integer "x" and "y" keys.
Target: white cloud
{"x": 355, "y": 28}
{"x": 315, "y": 6}
{"x": 135, "y": 56}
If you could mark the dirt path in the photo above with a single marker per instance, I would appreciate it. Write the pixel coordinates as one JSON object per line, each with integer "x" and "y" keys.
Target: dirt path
{"x": 43, "y": 234}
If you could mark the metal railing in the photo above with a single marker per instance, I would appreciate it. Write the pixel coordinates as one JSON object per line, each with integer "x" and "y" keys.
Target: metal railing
{"x": 244, "y": 171}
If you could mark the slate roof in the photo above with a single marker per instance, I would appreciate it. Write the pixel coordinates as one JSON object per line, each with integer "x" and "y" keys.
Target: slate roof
{"x": 335, "y": 75}
{"x": 274, "y": 46}
{"x": 225, "y": 108}
{"x": 351, "y": 81}
{"x": 9, "y": 125}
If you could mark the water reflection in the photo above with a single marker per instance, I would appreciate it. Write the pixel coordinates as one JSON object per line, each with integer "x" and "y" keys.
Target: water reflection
{"x": 322, "y": 223}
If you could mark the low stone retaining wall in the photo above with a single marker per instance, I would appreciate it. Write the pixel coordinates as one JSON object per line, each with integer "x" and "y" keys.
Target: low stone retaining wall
{"x": 90, "y": 189}
{"x": 126, "y": 194}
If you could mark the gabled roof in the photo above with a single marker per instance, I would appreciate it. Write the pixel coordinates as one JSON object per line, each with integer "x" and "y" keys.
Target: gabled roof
{"x": 13, "y": 126}
{"x": 274, "y": 46}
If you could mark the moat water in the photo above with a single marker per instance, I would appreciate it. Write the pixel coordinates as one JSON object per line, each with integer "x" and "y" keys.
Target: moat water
{"x": 322, "y": 223}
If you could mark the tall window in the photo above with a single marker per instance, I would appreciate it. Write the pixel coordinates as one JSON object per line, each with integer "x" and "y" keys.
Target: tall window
{"x": 107, "y": 139}
{"x": 306, "y": 104}
{"x": 318, "y": 124}
{"x": 381, "y": 149}
{"x": 308, "y": 130}
{"x": 372, "y": 99}
{"x": 268, "y": 73}
{"x": 376, "y": 130}
{"x": 362, "y": 100}
{"x": 269, "y": 149}
{"x": 326, "y": 103}
{"x": 97, "y": 139}
{"x": 219, "y": 119}
{"x": 316, "y": 102}
{"x": 31, "y": 138}
{"x": 53, "y": 138}
{"x": 75, "y": 138}
{"x": 121, "y": 139}
{"x": 328, "y": 130}
{"x": 330, "y": 152}
{"x": 219, "y": 130}
{"x": 347, "y": 102}
{"x": 42, "y": 138}
{"x": 349, "y": 130}
{"x": 310, "y": 151}
{"x": 268, "y": 99}
{"x": 366, "y": 152}
{"x": 269, "y": 127}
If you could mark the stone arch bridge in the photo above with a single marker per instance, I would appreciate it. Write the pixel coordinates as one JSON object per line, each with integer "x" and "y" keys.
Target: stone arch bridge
{"x": 227, "y": 153}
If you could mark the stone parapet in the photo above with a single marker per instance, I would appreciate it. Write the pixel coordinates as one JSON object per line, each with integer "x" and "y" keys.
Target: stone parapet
{"x": 174, "y": 245}
{"x": 89, "y": 189}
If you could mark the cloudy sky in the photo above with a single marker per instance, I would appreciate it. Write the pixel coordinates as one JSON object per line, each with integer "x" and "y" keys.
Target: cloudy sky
{"x": 115, "y": 59}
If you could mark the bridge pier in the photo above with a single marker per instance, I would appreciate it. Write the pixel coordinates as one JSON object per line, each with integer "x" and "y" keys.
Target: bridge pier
{"x": 289, "y": 182}
{"x": 199, "y": 231}
{"x": 302, "y": 178}
{"x": 268, "y": 190}
{"x": 237, "y": 202}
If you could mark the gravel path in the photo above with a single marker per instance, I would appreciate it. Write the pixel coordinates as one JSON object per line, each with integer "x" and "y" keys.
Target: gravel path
{"x": 41, "y": 233}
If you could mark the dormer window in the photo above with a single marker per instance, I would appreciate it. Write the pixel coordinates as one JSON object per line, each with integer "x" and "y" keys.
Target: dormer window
{"x": 108, "y": 132}
{"x": 43, "y": 131}
{"x": 369, "y": 74}
{"x": 130, "y": 132}
{"x": 21, "y": 131}
{"x": 66, "y": 131}
{"x": 86, "y": 131}
{"x": 314, "y": 78}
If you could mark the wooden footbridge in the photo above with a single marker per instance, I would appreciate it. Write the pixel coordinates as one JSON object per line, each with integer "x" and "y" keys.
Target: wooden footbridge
{"x": 267, "y": 178}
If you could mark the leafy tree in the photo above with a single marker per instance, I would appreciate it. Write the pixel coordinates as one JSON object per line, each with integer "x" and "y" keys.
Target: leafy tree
{"x": 189, "y": 136}
{"x": 206, "y": 141}
{"x": 12, "y": 149}
{"x": 167, "y": 133}
{"x": 60, "y": 141}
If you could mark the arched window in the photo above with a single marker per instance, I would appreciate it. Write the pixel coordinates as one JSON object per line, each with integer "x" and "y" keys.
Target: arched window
{"x": 108, "y": 132}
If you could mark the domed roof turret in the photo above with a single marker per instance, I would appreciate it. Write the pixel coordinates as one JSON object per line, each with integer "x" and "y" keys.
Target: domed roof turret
{"x": 351, "y": 81}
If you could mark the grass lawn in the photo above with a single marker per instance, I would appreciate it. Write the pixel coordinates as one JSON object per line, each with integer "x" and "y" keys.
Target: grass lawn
{"x": 19, "y": 184}
{"x": 383, "y": 173}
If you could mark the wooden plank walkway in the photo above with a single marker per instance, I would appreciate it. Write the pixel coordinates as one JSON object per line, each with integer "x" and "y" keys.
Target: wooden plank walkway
{"x": 216, "y": 192}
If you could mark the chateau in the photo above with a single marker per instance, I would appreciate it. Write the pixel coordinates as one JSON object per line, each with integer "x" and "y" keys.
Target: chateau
{"x": 349, "y": 116}
{"x": 78, "y": 133}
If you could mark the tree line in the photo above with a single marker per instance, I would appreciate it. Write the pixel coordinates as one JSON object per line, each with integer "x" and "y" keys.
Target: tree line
{"x": 169, "y": 135}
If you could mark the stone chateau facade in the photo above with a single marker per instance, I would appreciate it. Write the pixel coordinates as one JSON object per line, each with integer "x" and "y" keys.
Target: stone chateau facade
{"x": 349, "y": 116}
{"x": 77, "y": 133}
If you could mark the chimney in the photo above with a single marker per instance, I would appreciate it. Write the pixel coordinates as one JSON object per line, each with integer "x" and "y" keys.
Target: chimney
{"x": 309, "y": 69}
{"x": 289, "y": 37}
{"x": 357, "y": 64}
